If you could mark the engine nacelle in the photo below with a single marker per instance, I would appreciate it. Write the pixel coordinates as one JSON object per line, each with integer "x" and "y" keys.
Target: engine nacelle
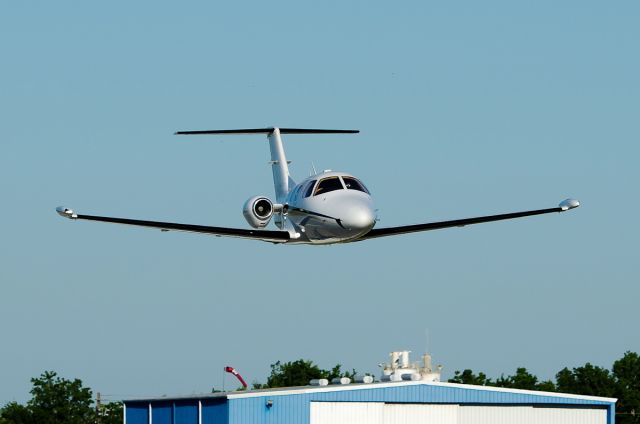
{"x": 258, "y": 211}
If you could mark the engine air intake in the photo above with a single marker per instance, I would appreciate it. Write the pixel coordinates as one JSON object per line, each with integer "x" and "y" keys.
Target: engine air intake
{"x": 258, "y": 211}
{"x": 263, "y": 208}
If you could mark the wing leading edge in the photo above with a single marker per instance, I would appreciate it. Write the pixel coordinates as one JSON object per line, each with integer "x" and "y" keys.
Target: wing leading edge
{"x": 405, "y": 229}
{"x": 264, "y": 235}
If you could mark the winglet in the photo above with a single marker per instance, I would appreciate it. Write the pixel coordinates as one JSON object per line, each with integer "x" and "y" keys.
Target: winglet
{"x": 567, "y": 204}
{"x": 66, "y": 212}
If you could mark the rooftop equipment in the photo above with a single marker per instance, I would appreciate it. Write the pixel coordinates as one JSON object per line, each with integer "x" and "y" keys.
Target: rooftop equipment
{"x": 401, "y": 369}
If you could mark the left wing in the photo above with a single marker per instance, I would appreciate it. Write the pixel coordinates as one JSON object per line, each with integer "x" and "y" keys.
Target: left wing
{"x": 264, "y": 235}
{"x": 392, "y": 231}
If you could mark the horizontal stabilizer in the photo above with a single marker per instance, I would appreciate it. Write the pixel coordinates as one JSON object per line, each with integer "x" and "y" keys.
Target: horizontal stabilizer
{"x": 269, "y": 131}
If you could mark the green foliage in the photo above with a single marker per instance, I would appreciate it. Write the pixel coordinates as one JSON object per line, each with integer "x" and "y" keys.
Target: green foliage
{"x": 57, "y": 400}
{"x": 295, "y": 373}
{"x": 586, "y": 380}
{"x": 14, "y": 413}
{"x": 111, "y": 413}
{"x": 468, "y": 377}
{"x": 546, "y": 386}
{"x": 336, "y": 372}
{"x": 525, "y": 381}
{"x": 298, "y": 373}
{"x": 54, "y": 400}
{"x": 627, "y": 374}
{"x": 521, "y": 380}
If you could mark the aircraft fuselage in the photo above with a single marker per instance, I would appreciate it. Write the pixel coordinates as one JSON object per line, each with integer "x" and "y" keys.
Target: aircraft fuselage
{"x": 330, "y": 207}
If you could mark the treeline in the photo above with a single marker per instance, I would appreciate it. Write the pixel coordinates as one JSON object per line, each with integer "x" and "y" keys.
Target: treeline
{"x": 622, "y": 381}
{"x": 56, "y": 400}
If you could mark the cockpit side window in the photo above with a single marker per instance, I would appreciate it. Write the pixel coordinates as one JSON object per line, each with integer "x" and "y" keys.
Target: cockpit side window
{"x": 328, "y": 184}
{"x": 354, "y": 184}
{"x": 309, "y": 188}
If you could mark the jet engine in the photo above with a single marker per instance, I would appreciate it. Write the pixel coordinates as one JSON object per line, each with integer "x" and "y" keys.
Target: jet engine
{"x": 258, "y": 211}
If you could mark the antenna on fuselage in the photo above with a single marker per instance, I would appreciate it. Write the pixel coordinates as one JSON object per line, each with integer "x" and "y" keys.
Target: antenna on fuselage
{"x": 313, "y": 166}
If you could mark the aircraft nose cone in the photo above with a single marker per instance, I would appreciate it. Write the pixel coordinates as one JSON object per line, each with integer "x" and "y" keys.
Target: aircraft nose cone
{"x": 359, "y": 216}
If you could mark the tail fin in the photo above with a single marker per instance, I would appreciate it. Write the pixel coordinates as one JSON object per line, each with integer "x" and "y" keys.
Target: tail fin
{"x": 279, "y": 166}
{"x": 281, "y": 178}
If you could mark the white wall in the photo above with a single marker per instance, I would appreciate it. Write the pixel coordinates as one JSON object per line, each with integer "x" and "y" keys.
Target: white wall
{"x": 381, "y": 413}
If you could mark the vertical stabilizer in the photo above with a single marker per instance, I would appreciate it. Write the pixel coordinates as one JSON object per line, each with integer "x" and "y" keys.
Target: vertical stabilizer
{"x": 279, "y": 165}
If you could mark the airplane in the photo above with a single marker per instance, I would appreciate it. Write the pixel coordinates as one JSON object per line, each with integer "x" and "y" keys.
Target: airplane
{"x": 326, "y": 208}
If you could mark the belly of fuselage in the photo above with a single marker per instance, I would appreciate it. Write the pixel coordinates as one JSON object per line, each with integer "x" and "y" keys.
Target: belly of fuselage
{"x": 319, "y": 230}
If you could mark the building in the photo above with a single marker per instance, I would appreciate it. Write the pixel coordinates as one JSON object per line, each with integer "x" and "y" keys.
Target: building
{"x": 376, "y": 403}
{"x": 409, "y": 393}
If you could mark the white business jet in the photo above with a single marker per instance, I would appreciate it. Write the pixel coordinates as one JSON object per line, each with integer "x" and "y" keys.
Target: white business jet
{"x": 329, "y": 207}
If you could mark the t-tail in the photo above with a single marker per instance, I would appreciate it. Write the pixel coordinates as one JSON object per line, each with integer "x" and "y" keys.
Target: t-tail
{"x": 280, "y": 166}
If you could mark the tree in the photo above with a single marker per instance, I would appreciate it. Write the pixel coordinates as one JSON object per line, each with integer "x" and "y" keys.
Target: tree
{"x": 546, "y": 386}
{"x": 468, "y": 377}
{"x": 111, "y": 413}
{"x": 14, "y": 413}
{"x": 627, "y": 374}
{"x": 54, "y": 400}
{"x": 298, "y": 373}
{"x": 525, "y": 381}
{"x": 586, "y": 380}
{"x": 336, "y": 372}
{"x": 58, "y": 400}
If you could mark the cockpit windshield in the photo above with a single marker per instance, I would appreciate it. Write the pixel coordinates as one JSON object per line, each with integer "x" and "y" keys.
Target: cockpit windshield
{"x": 328, "y": 184}
{"x": 354, "y": 184}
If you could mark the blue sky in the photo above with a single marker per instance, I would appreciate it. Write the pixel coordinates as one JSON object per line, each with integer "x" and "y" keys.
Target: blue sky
{"x": 465, "y": 109}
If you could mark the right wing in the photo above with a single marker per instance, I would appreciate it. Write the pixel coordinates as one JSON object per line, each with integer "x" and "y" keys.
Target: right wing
{"x": 264, "y": 235}
{"x": 392, "y": 231}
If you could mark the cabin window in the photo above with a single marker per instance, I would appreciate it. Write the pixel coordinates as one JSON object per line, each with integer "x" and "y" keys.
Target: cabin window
{"x": 309, "y": 188}
{"x": 353, "y": 184}
{"x": 328, "y": 184}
